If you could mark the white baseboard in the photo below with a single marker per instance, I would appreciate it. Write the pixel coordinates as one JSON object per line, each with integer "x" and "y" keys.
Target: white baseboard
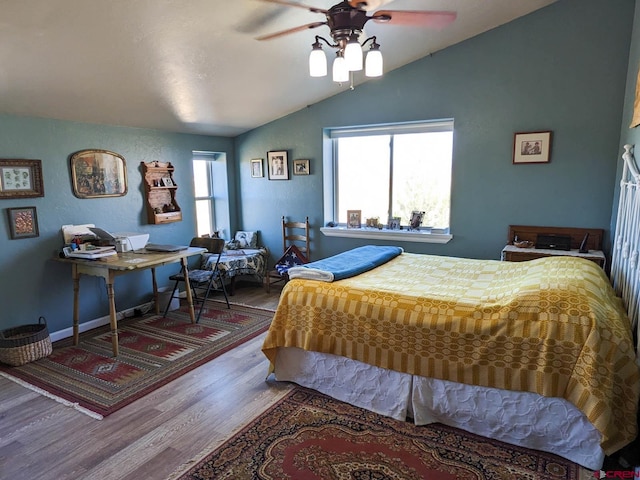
{"x": 98, "y": 322}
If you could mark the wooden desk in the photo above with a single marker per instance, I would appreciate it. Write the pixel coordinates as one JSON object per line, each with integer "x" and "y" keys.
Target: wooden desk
{"x": 126, "y": 263}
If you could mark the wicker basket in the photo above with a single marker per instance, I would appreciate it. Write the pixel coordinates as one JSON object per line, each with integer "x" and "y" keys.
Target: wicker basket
{"x": 25, "y": 344}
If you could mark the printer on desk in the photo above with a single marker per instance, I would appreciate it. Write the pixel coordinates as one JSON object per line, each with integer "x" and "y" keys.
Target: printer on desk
{"x": 124, "y": 242}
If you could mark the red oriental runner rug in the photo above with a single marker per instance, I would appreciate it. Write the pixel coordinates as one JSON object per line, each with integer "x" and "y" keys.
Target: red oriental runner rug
{"x": 309, "y": 436}
{"x": 153, "y": 351}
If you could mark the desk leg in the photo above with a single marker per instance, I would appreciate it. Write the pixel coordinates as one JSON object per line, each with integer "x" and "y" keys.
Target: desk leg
{"x": 112, "y": 315}
{"x": 156, "y": 301}
{"x": 187, "y": 285}
{"x": 76, "y": 306}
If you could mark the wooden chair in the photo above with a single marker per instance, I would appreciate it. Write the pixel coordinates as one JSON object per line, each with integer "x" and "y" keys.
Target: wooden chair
{"x": 205, "y": 277}
{"x": 295, "y": 245}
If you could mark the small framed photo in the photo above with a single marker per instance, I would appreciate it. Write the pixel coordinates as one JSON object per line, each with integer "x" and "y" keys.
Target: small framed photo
{"x": 532, "y": 147}
{"x": 416, "y": 219}
{"x": 167, "y": 182}
{"x": 21, "y": 179}
{"x": 394, "y": 223}
{"x": 278, "y": 165}
{"x": 354, "y": 218}
{"x": 23, "y": 222}
{"x": 256, "y": 168}
{"x": 301, "y": 167}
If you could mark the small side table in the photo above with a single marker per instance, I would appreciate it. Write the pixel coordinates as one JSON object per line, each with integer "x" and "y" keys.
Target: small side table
{"x": 511, "y": 253}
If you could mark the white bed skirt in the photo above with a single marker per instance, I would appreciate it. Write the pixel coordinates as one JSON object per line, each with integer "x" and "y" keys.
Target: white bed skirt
{"x": 520, "y": 418}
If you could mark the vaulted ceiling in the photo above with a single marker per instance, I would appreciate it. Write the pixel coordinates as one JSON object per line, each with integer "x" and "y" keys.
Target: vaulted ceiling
{"x": 194, "y": 66}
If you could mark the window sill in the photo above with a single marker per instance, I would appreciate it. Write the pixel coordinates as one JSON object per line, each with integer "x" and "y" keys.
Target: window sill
{"x": 384, "y": 234}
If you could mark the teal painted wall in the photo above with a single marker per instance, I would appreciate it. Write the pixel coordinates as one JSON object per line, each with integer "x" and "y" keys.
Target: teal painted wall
{"x": 31, "y": 284}
{"x": 562, "y": 68}
{"x": 628, "y": 135}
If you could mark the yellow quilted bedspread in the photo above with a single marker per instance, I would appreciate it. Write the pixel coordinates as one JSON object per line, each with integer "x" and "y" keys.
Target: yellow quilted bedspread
{"x": 552, "y": 326}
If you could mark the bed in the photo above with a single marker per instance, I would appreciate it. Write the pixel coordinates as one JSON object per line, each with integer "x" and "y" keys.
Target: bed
{"x": 538, "y": 354}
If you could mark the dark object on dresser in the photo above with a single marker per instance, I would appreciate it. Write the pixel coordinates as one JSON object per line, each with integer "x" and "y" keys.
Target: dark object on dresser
{"x": 554, "y": 242}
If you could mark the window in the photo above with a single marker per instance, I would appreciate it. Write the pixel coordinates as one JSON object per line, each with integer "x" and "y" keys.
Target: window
{"x": 211, "y": 192}
{"x": 203, "y": 196}
{"x": 392, "y": 170}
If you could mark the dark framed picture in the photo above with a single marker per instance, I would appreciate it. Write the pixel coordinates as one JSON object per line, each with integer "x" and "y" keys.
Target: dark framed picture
{"x": 278, "y": 165}
{"x": 98, "y": 173}
{"x": 301, "y": 167}
{"x": 23, "y": 222}
{"x": 256, "y": 168}
{"x": 167, "y": 182}
{"x": 354, "y": 218}
{"x": 532, "y": 147}
{"x": 21, "y": 179}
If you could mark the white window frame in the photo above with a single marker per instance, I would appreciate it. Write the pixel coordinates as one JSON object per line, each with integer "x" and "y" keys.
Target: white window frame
{"x": 330, "y": 182}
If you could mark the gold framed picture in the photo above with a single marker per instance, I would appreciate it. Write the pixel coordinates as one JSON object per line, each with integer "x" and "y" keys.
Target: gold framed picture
{"x": 98, "y": 173}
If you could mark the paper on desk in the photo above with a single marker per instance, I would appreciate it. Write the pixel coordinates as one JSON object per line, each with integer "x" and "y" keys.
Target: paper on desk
{"x": 70, "y": 231}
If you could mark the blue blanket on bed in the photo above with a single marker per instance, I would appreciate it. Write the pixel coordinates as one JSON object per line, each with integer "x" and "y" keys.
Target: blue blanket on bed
{"x": 347, "y": 264}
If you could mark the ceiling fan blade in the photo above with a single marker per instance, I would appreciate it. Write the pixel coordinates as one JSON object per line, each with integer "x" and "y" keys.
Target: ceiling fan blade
{"x": 308, "y": 26}
{"x": 368, "y": 5}
{"x": 299, "y": 5}
{"x": 416, "y": 18}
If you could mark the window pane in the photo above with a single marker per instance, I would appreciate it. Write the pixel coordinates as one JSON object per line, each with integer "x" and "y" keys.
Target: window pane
{"x": 201, "y": 178}
{"x": 203, "y": 217}
{"x": 363, "y": 176}
{"x": 422, "y": 177}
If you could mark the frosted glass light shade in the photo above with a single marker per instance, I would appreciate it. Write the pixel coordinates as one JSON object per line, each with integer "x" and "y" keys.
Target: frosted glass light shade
{"x": 373, "y": 64}
{"x": 317, "y": 63}
{"x": 340, "y": 70}
{"x": 353, "y": 56}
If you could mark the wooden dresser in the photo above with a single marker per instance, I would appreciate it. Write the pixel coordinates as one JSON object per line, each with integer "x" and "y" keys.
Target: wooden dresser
{"x": 511, "y": 253}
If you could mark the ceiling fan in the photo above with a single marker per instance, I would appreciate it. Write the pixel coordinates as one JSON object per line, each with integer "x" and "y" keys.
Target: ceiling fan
{"x": 346, "y": 21}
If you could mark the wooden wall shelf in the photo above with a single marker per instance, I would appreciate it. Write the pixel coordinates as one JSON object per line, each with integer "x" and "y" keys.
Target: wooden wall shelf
{"x": 160, "y": 192}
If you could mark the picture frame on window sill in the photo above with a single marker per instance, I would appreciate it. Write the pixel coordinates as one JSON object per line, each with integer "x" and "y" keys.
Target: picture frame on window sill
{"x": 532, "y": 147}
{"x": 20, "y": 178}
{"x": 256, "y": 168}
{"x": 301, "y": 167}
{"x": 278, "y": 164}
{"x": 354, "y": 218}
{"x": 23, "y": 222}
{"x": 98, "y": 173}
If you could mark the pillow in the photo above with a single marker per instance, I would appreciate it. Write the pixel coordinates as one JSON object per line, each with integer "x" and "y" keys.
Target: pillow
{"x": 247, "y": 239}
{"x": 291, "y": 258}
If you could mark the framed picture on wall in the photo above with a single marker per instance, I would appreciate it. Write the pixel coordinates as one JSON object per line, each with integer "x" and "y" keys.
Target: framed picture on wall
{"x": 23, "y": 222}
{"x": 256, "y": 168}
{"x": 278, "y": 165}
{"x": 98, "y": 173}
{"x": 301, "y": 167}
{"x": 21, "y": 179}
{"x": 532, "y": 147}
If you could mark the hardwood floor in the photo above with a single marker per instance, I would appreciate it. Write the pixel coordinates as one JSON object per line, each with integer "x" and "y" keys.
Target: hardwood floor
{"x": 149, "y": 439}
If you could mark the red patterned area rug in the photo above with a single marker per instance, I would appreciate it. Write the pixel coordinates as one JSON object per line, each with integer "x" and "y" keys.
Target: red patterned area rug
{"x": 309, "y": 436}
{"x": 153, "y": 351}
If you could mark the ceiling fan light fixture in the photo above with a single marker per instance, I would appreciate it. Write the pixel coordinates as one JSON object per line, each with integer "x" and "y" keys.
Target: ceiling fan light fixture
{"x": 317, "y": 61}
{"x": 340, "y": 70}
{"x": 373, "y": 62}
{"x": 353, "y": 54}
